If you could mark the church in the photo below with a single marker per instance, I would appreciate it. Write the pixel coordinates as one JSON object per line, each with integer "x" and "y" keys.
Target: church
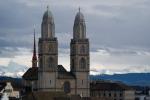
{"x": 48, "y": 75}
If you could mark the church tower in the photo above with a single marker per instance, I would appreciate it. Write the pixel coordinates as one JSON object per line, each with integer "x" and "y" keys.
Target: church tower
{"x": 48, "y": 54}
{"x": 79, "y": 56}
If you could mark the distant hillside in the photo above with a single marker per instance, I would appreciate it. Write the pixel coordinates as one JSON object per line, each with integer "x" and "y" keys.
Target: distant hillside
{"x": 16, "y": 82}
{"x": 142, "y": 79}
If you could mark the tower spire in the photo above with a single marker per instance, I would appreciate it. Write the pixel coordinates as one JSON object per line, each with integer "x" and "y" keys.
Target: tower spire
{"x": 79, "y": 28}
{"x": 34, "y": 57}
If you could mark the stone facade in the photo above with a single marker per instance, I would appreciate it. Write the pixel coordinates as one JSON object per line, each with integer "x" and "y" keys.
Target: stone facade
{"x": 79, "y": 55}
{"x": 54, "y": 77}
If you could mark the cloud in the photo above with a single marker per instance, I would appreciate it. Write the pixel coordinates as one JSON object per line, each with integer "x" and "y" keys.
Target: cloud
{"x": 110, "y": 60}
{"x": 124, "y": 20}
{"x": 118, "y": 31}
{"x": 13, "y": 70}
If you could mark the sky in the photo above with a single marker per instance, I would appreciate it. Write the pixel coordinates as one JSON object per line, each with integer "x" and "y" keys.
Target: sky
{"x": 118, "y": 30}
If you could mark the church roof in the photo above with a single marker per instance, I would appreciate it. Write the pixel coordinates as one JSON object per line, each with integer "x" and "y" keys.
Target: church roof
{"x": 31, "y": 74}
{"x": 63, "y": 74}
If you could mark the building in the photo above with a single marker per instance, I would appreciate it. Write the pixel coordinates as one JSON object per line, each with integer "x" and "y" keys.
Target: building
{"x": 49, "y": 76}
{"x": 142, "y": 92}
{"x": 6, "y": 88}
{"x": 30, "y": 77}
{"x": 54, "y": 77}
{"x": 102, "y": 90}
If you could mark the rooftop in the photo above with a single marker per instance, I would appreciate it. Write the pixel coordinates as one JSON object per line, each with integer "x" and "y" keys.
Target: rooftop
{"x": 109, "y": 86}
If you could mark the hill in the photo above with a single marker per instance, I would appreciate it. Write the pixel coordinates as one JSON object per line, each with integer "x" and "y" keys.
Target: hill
{"x": 141, "y": 79}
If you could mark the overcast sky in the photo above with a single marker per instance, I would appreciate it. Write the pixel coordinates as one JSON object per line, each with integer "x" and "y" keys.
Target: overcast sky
{"x": 119, "y": 32}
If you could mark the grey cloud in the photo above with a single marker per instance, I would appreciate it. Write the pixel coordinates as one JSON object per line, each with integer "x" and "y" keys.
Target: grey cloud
{"x": 8, "y": 52}
{"x": 115, "y": 27}
{"x": 128, "y": 28}
{"x": 128, "y": 69}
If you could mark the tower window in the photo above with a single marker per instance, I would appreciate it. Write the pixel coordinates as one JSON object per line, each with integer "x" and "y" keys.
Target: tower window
{"x": 40, "y": 48}
{"x": 82, "y": 49}
{"x": 82, "y": 63}
{"x": 40, "y": 62}
{"x": 82, "y": 82}
{"x": 50, "y": 62}
{"x": 72, "y": 49}
{"x": 72, "y": 64}
{"x": 50, "y": 49}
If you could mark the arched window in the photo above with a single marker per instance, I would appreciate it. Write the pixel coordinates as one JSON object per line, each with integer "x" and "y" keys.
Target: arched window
{"x": 50, "y": 62}
{"x": 40, "y": 62}
{"x": 72, "y": 49}
{"x": 67, "y": 87}
{"x": 82, "y": 63}
{"x": 40, "y": 48}
{"x": 51, "y": 48}
{"x": 82, "y": 49}
{"x": 72, "y": 62}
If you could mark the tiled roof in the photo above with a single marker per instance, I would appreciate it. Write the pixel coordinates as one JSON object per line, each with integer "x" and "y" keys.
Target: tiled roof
{"x": 109, "y": 86}
{"x": 31, "y": 74}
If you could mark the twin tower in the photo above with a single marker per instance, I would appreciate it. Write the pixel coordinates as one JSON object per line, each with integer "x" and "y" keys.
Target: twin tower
{"x": 54, "y": 77}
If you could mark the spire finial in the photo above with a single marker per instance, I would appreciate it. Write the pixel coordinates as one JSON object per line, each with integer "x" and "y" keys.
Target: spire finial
{"x": 47, "y": 7}
{"x": 79, "y": 9}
